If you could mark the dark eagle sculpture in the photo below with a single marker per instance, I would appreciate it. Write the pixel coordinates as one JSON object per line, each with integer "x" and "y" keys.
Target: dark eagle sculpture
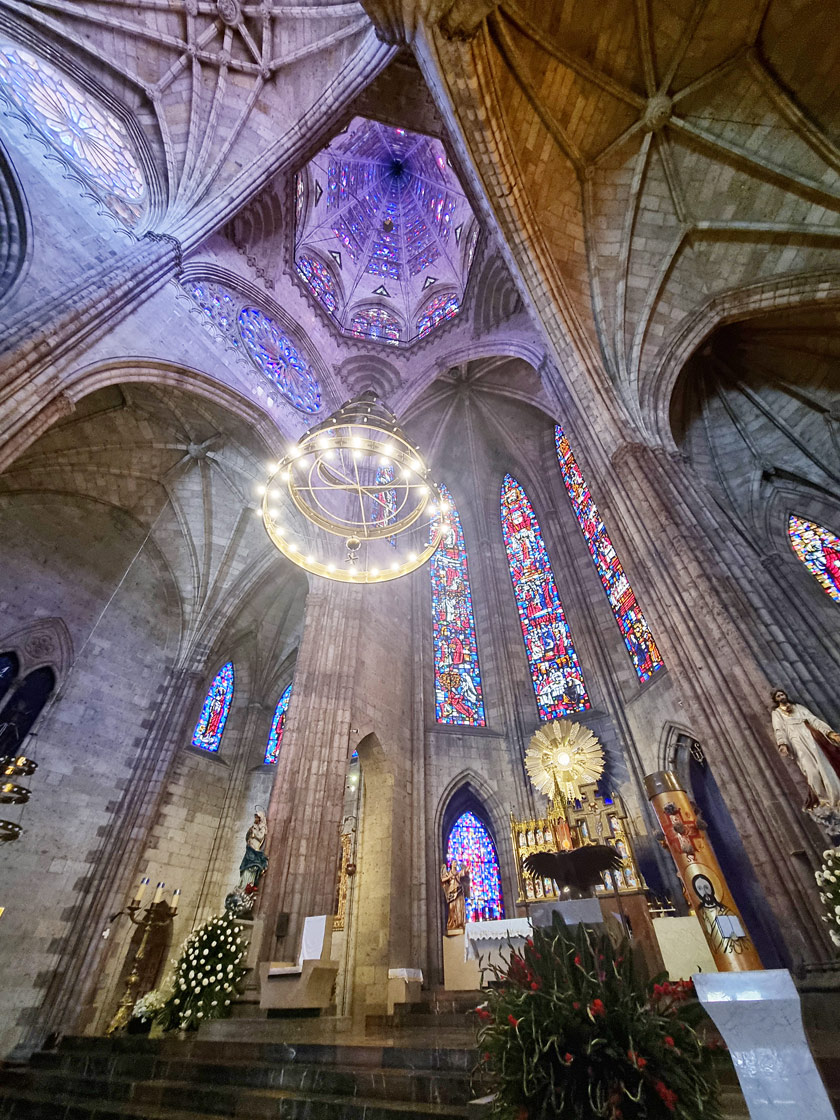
{"x": 579, "y": 869}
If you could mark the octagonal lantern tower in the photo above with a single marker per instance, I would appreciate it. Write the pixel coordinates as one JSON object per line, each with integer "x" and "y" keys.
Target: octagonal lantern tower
{"x": 384, "y": 235}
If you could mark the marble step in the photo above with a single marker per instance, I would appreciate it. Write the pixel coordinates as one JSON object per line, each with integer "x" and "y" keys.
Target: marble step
{"x": 31, "y": 1105}
{"x": 217, "y": 1087}
{"x": 94, "y": 1051}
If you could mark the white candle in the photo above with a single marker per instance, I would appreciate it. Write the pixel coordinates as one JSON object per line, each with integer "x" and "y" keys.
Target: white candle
{"x": 141, "y": 890}
{"x": 175, "y": 899}
{"x": 159, "y": 892}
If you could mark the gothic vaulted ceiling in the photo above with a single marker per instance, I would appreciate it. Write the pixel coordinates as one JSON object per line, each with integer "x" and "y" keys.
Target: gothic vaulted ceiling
{"x": 654, "y": 166}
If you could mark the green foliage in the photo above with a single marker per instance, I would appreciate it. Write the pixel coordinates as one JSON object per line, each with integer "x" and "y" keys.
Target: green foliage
{"x": 828, "y": 880}
{"x": 570, "y": 1031}
{"x": 206, "y": 975}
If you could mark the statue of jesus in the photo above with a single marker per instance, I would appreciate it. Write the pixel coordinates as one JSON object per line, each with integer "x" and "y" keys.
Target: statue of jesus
{"x": 814, "y": 747}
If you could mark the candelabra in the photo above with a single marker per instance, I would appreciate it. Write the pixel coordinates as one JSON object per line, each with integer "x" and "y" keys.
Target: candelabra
{"x": 11, "y": 793}
{"x": 160, "y": 913}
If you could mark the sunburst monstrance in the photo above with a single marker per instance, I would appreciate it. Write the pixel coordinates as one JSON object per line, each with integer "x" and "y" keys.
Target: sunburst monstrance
{"x": 561, "y": 757}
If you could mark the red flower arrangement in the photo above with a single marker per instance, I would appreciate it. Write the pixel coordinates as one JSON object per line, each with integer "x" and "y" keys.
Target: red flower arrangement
{"x": 570, "y": 995}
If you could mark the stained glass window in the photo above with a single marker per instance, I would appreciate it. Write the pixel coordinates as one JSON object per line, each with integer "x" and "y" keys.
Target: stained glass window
{"x": 393, "y": 210}
{"x": 320, "y": 281}
{"x": 436, "y": 310}
{"x": 211, "y": 723}
{"x": 218, "y": 304}
{"x": 640, "y": 643}
{"x": 274, "y": 354}
{"x": 92, "y": 140}
{"x": 384, "y": 503}
{"x": 275, "y": 735}
{"x": 458, "y": 695}
{"x": 375, "y": 322}
{"x": 819, "y": 551}
{"x": 555, "y": 669}
{"x": 470, "y": 843}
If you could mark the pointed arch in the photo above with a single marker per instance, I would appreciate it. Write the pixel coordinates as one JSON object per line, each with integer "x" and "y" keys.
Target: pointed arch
{"x": 555, "y": 670}
{"x": 275, "y": 735}
{"x": 458, "y": 693}
{"x": 819, "y": 550}
{"x": 640, "y": 642}
{"x": 9, "y": 667}
{"x": 469, "y": 841}
{"x": 24, "y": 706}
{"x": 211, "y": 723}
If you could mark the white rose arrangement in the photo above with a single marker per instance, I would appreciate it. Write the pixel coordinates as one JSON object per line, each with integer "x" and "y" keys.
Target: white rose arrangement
{"x": 206, "y": 975}
{"x": 828, "y": 880}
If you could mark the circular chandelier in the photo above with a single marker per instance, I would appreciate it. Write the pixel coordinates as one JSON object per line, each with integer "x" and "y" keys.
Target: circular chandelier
{"x": 353, "y": 501}
{"x": 561, "y": 757}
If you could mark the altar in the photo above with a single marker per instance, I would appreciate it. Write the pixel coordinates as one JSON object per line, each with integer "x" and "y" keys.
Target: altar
{"x": 482, "y": 943}
{"x": 487, "y": 941}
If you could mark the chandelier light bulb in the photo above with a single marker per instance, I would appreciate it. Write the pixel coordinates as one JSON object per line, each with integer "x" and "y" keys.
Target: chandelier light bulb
{"x": 260, "y": 489}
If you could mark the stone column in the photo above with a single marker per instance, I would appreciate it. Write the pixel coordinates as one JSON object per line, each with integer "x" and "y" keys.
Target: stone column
{"x": 667, "y": 539}
{"x": 306, "y": 802}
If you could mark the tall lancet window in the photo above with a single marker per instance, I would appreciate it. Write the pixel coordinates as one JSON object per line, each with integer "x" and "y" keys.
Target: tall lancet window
{"x": 470, "y": 843}
{"x": 640, "y": 643}
{"x": 211, "y": 723}
{"x": 819, "y": 551}
{"x": 555, "y": 669}
{"x": 275, "y": 735}
{"x": 458, "y": 695}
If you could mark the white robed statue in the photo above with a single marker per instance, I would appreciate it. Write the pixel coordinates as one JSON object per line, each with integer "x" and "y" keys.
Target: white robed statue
{"x": 814, "y": 747}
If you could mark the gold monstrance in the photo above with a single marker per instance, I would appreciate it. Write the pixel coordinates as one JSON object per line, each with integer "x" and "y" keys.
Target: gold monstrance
{"x": 562, "y": 757}
{"x": 565, "y": 761}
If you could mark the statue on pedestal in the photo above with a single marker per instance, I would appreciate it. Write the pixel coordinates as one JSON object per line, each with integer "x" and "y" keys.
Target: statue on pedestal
{"x": 815, "y": 748}
{"x": 455, "y": 880}
{"x": 242, "y": 898}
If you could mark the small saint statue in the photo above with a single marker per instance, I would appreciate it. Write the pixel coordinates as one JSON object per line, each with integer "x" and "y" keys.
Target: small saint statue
{"x": 455, "y": 880}
{"x": 241, "y": 899}
{"x": 815, "y": 748}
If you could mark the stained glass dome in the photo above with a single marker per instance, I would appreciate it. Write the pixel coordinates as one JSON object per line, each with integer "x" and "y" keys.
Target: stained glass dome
{"x": 385, "y": 234}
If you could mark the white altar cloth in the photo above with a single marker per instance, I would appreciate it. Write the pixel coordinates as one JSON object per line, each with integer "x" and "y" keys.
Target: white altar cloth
{"x": 487, "y": 939}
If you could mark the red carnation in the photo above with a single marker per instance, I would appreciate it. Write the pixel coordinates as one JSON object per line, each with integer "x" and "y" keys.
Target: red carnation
{"x": 513, "y": 1022}
{"x": 668, "y": 1096}
{"x": 568, "y": 1058}
{"x": 668, "y": 1040}
{"x": 597, "y": 1008}
{"x": 535, "y": 986}
{"x": 638, "y": 1061}
{"x": 577, "y": 959}
{"x": 483, "y": 1013}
